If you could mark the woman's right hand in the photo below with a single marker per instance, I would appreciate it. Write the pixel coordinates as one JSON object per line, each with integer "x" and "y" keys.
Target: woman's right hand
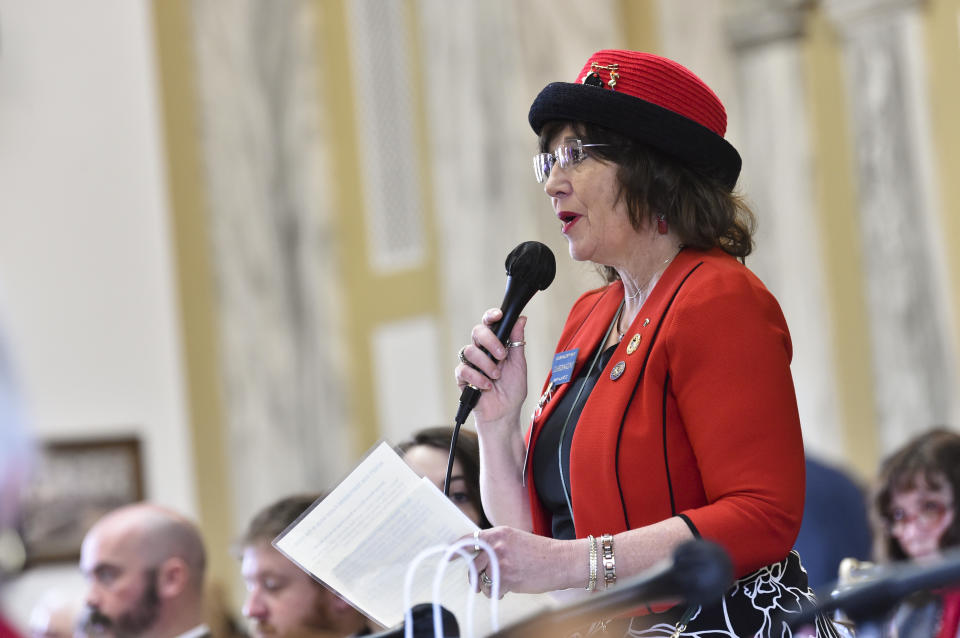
{"x": 502, "y": 382}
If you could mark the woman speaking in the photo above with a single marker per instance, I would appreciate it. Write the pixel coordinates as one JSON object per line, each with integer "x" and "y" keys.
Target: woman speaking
{"x": 677, "y": 418}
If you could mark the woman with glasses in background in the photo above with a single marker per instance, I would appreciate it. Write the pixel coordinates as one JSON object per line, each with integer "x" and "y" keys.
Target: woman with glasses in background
{"x": 670, "y": 412}
{"x": 918, "y": 518}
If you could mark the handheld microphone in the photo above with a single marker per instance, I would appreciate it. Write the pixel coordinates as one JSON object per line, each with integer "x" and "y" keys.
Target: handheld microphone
{"x": 423, "y": 627}
{"x": 888, "y": 585}
{"x": 698, "y": 573}
{"x": 530, "y": 267}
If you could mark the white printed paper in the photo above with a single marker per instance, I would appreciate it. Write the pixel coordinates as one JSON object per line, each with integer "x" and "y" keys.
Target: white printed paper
{"x": 360, "y": 540}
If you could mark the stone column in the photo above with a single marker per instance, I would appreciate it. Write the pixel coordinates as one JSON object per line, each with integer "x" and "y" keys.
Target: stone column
{"x": 263, "y": 143}
{"x": 914, "y": 373}
{"x": 777, "y": 178}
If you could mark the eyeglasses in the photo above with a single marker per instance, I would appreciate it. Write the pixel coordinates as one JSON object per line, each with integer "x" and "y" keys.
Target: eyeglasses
{"x": 569, "y": 153}
{"x": 931, "y": 514}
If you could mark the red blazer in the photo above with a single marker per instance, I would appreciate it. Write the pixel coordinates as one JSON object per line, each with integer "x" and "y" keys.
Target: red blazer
{"x": 702, "y": 422}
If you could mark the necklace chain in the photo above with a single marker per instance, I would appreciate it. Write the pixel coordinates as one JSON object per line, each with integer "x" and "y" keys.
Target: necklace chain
{"x": 617, "y": 324}
{"x": 642, "y": 290}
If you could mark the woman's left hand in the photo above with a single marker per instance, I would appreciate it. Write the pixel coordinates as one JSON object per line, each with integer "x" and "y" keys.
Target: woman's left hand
{"x": 528, "y": 563}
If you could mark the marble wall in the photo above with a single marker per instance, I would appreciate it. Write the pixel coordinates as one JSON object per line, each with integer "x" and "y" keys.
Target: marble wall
{"x": 907, "y": 293}
{"x": 778, "y": 178}
{"x": 263, "y": 140}
{"x": 385, "y": 98}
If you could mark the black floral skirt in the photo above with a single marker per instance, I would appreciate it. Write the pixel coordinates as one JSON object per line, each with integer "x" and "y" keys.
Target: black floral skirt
{"x": 759, "y": 604}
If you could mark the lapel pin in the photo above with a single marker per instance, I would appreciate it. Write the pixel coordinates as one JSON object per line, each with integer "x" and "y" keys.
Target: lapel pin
{"x": 617, "y": 370}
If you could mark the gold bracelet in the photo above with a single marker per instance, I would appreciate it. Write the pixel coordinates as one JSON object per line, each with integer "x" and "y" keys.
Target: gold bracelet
{"x": 592, "y": 583}
{"x": 609, "y": 563}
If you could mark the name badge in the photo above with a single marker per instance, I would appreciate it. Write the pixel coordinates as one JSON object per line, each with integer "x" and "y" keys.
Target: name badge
{"x": 563, "y": 364}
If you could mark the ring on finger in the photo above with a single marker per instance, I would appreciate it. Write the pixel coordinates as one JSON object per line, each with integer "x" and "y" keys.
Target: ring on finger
{"x": 516, "y": 344}
{"x": 486, "y": 580}
{"x": 476, "y": 541}
{"x": 461, "y": 356}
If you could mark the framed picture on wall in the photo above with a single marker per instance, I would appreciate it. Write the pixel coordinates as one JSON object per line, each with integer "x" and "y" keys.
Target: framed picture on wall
{"x": 75, "y": 483}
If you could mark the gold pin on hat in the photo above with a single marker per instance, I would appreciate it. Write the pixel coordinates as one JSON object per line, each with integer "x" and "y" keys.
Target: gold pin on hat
{"x": 617, "y": 370}
{"x": 634, "y": 344}
{"x": 593, "y": 77}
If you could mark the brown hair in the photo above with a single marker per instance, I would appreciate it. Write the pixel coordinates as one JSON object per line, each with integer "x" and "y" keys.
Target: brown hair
{"x": 703, "y": 212}
{"x": 467, "y": 452}
{"x": 933, "y": 457}
{"x": 271, "y": 521}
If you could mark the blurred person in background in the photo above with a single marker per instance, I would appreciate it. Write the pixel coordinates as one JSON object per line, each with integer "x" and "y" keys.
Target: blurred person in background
{"x": 283, "y": 601}
{"x": 427, "y": 452}
{"x": 917, "y": 518}
{"x": 145, "y": 568}
{"x": 836, "y": 522}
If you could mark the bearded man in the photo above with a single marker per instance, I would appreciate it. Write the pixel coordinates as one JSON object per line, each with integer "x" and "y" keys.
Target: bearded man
{"x": 144, "y": 565}
{"x": 283, "y": 601}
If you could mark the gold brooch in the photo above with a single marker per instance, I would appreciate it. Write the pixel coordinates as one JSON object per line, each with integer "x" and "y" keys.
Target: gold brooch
{"x": 593, "y": 78}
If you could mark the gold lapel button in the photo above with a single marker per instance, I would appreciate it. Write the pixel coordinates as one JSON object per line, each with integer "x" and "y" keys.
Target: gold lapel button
{"x": 617, "y": 370}
{"x": 634, "y": 344}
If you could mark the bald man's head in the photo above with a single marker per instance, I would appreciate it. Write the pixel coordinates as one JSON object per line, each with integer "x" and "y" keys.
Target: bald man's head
{"x": 145, "y": 565}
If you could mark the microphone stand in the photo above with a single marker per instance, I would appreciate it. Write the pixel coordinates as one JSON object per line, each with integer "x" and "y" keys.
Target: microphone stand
{"x": 872, "y": 600}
